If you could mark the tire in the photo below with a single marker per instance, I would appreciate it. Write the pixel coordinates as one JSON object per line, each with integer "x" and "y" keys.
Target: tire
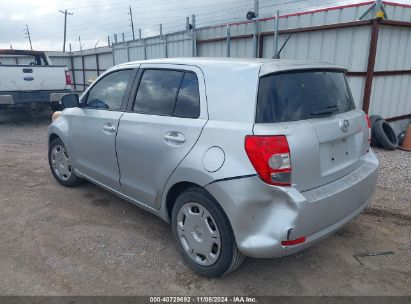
{"x": 385, "y": 135}
{"x": 69, "y": 179}
{"x": 223, "y": 255}
{"x": 373, "y": 120}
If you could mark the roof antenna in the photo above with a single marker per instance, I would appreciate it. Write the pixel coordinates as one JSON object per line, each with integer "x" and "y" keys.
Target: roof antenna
{"x": 277, "y": 56}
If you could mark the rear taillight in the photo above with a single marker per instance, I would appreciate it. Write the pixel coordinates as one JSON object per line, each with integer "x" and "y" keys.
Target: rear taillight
{"x": 369, "y": 128}
{"x": 368, "y": 121}
{"x": 68, "y": 78}
{"x": 270, "y": 157}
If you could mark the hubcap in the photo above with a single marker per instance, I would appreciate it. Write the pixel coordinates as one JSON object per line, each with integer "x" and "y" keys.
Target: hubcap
{"x": 61, "y": 162}
{"x": 198, "y": 234}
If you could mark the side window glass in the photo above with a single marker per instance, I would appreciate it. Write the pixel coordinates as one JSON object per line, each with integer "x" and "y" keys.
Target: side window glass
{"x": 108, "y": 93}
{"x": 188, "y": 99}
{"x": 157, "y": 92}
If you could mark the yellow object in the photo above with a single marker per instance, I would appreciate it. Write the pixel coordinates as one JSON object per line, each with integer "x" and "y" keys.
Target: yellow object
{"x": 91, "y": 80}
{"x": 379, "y": 15}
{"x": 55, "y": 115}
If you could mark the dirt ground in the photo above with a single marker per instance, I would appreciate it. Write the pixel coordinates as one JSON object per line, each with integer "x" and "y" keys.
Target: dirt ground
{"x": 85, "y": 241}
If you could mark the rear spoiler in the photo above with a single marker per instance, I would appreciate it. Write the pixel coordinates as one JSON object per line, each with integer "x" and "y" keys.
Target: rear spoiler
{"x": 280, "y": 66}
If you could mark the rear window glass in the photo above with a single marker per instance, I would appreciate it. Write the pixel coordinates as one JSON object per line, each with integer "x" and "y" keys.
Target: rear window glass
{"x": 302, "y": 95}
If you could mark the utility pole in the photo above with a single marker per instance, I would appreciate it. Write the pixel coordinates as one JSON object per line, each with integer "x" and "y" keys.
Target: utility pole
{"x": 27, "y": 32}
{"x": 131, "y": 20}
{"x": 255, "y": 29}
{"x": 276, "y": 30}
{"x": 81, "y": 46}
{"x": 65, "y": 27}
{"x": 194, "y": 37}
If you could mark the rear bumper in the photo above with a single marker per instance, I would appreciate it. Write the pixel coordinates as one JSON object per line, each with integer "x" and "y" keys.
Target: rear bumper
{"x": 262, "y": 216}
{"x": 29, "y": 97}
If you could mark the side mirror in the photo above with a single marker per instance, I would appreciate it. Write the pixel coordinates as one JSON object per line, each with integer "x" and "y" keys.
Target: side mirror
{"x": 70, "y": 101}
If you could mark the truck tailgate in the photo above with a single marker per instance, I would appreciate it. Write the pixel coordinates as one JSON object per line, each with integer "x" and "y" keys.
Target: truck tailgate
{"x": 32, "y": 78}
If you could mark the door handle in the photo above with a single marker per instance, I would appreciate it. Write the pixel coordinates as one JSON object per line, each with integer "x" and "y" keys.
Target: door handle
{"x": 109, "y": 128}
{"x": 175, "y": 137}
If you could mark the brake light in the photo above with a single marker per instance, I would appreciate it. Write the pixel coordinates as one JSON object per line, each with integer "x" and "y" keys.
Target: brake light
{"x": 368, "y": 121}
{"x": 68, "y": 78}
{"x": 369, "y": 130}
{"x": 270, "y": 157}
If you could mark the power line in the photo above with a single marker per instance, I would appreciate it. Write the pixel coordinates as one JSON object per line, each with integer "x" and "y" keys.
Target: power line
{"x": 176, "y": 20}
{"x": 145, "y": 11}
{"x": 150, "y": 4}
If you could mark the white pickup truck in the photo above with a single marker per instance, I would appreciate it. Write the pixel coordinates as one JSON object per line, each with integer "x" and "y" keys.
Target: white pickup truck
{"x": 27, "y": 78}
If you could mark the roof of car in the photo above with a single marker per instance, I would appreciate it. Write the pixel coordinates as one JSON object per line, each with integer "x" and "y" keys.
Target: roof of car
{"x": 266, "y": 66}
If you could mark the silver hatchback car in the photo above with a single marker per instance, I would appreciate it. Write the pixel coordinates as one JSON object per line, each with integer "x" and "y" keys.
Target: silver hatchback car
{"x": 259, "y": 158}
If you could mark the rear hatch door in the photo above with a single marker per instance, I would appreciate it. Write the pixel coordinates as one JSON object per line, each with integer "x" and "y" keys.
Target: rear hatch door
{"x": 327, "y": 136}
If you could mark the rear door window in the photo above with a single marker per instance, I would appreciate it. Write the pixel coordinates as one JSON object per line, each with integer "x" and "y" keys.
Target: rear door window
{"x": 188, "y": 99}
{"x": 302, "y": 95}
{"x": 157, "y": 92}
{"x": 168, "y": 93}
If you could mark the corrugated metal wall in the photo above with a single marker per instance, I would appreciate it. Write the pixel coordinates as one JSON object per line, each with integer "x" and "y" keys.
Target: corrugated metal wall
{"x": 178, "y": 44}
{"x": 391, "y": 94}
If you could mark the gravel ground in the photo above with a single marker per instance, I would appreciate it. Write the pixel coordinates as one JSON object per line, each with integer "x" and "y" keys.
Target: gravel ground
{"x": 85, "y": 241}
{"x": 393, "y": 195}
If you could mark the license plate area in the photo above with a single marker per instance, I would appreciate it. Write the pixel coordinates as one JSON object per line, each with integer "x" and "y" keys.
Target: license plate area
{"x": 338, "y": 154}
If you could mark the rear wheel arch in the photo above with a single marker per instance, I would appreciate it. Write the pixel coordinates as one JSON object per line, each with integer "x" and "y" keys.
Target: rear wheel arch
{"x": 178, "y": 188}
{"x": 174, "y": 192}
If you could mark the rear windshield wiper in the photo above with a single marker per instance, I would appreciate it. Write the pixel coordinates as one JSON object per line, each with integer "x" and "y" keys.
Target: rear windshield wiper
{"x": 328, "y": 110}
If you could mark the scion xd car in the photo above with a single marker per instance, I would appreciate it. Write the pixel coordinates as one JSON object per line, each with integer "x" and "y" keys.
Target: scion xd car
{"x": 259, "y": 158}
